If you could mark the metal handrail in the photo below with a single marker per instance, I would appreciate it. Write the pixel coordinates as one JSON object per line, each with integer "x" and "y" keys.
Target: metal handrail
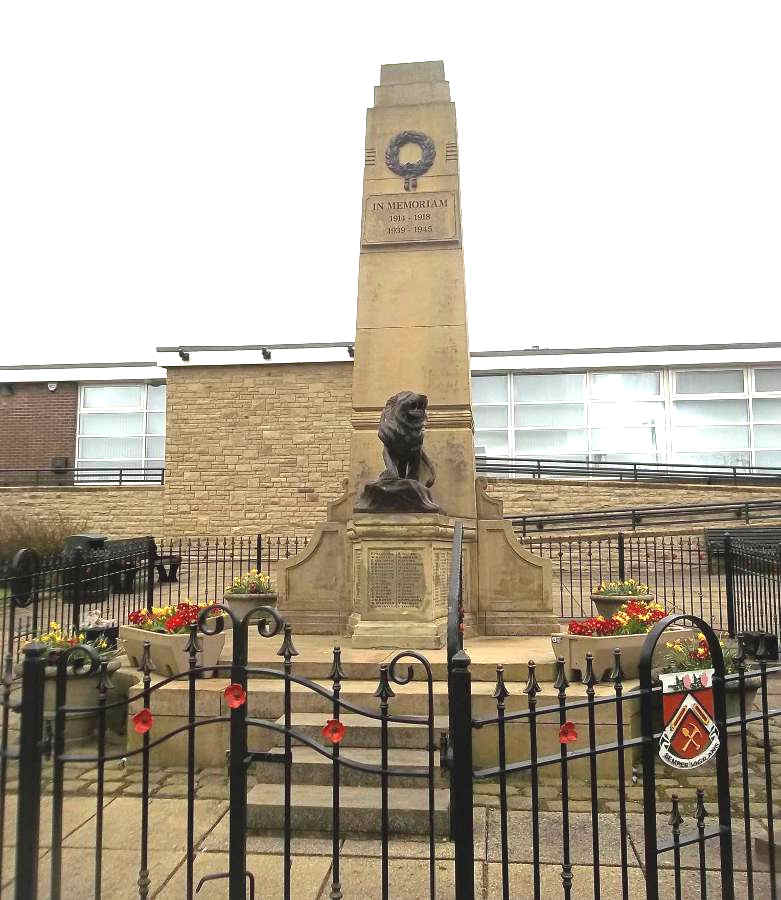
{"x": 627, "y": 471}
{"x": 81, "y": 475}
{"x": 648, "y": 515}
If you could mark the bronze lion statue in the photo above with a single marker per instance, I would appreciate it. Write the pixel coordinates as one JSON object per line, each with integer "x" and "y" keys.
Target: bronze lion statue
{"x": 401, "y": 432}
{"x": 399, "y": 488}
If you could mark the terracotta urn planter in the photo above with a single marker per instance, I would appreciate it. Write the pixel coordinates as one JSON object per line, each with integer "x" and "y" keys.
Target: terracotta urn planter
{"x": 241, "y": 604}
{"x": 608, "y": 604}
{"x": 169, "y": 651}
{"x": 574, "y": 647}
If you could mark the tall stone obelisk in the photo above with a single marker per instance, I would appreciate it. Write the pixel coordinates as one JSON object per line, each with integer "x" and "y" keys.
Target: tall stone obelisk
{"x": 383, "y": 575}
{"x": 411, "y": 325}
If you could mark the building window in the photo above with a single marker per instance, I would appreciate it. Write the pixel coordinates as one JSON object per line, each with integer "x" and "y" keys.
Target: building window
{"x": 121, "y": 426}
{"x": 702, "y": 416}
{"x": 711, "y": 426}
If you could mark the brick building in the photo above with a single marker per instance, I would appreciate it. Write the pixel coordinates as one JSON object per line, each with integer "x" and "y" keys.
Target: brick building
{"x": 257, "y": 438}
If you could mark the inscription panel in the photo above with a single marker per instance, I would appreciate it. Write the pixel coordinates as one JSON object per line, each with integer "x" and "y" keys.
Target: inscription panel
{"x": 441, "y": 581}
{"x": 410, "y": 218}
{"x": 396, "y": 579}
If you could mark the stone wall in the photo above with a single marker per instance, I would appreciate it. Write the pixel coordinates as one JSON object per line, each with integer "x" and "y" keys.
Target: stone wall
{"x": 531, "y": 496}
{"x": 116, "y": 512}
{"x": 255, "y": 448}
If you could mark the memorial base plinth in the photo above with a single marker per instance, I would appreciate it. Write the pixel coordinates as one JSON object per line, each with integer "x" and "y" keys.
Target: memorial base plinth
{"x": 400, "y": 577}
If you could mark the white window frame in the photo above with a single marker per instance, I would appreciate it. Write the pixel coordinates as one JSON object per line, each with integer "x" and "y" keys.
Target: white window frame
{"x": 668, "y": 396}
{"x": 145, "y": 436}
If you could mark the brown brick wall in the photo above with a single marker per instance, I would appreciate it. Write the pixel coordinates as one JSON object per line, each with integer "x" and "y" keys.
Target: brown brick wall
{"x": 37, "y": 424}
{"x": 117, "y": 512}
{"x": 255, "y": 448}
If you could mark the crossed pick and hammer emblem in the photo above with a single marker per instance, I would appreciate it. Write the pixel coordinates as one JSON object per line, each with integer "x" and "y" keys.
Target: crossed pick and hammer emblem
{"x": 691, "y": 735}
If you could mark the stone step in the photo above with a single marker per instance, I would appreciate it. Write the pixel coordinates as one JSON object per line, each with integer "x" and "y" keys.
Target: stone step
{"x": 311, "y": 767}
{"x": 366, "y": 670}
{"x": 365, "y": 733}
{"x": 311, "y": 809}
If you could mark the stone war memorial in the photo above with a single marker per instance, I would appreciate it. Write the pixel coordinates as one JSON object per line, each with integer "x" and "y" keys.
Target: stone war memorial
{"x": 378, "y": 568}
{"x": 398, "y": 708}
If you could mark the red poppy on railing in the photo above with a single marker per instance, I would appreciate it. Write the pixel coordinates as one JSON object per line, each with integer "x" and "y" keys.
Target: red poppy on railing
{"x": 567, "y": 733}
{"x": 333, "y": 731}
{"x": 235, "y": 696}
{"x": 143, "y": 720}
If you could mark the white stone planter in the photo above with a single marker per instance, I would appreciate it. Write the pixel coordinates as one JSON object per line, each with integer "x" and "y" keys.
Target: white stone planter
{"x": 608, "y": 604}
{"x": 241, "y": 604}
{"x": 82, "y": 691}
{"x": 169, "y": 651}
{"x": 574, "y": 647}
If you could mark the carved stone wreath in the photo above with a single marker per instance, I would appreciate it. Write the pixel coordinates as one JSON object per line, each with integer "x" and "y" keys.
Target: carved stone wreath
{"x": 410, "y": 171}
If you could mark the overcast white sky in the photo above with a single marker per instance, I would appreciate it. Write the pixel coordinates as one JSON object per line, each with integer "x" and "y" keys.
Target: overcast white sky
{"x": 186, "y": 173}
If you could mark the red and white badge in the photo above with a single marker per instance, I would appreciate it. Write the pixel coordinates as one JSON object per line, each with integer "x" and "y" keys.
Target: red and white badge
{"x": 690, "y": 737}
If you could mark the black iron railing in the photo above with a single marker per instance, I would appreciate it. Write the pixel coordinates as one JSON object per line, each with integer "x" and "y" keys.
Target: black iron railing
{"x": 753, "y": 587}
{"x": 126, "y": 575}
{"x": 627, "y": 471}
{"x": 748, "y": 511}
{"x": 81, "y": 476}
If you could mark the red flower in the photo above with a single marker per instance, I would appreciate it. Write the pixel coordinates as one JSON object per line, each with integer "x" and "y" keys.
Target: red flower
{"x": 235, "y": 696}
{"x": 333, "y": 731}
{"x": 143, "y": 720}
{"x": 567, "y": 733}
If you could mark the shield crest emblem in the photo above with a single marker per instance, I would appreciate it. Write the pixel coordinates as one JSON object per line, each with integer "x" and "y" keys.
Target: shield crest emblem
{"x": 691, "y": 736}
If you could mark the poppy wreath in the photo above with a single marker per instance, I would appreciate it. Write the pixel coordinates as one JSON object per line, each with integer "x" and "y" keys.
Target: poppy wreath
{"x": 143, "y": 720}
{"x": 333, "y": 731}
{"x": 235, "y": 696}
{"x": 410, "y": 170}
{"x": 568, "y": 734}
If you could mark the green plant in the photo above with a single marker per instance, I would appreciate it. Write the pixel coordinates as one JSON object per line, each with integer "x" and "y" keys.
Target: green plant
{"x": 633, "y": 617}
{"x": 253, "y": 582}
{"x": 168, "y": 619}
{"x": 58, "y": 638}
{"x": 628, "y": 588}
{"x": 45, "y": 533}
{"x": 693, "y": 654}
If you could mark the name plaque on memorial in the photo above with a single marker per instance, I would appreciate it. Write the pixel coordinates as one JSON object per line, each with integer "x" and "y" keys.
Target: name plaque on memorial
{"x": 396, "y": 579}
{"x": 410, "y": 218}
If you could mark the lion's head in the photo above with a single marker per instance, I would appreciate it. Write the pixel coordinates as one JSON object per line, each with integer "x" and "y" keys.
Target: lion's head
{"x": 402, "y": 420}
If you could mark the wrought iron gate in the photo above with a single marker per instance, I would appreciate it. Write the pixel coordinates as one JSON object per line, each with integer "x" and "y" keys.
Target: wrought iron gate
{"x": 570, "y": 740}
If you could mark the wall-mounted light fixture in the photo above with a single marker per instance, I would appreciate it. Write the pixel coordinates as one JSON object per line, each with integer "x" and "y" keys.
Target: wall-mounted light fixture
{"x": 266, "y": 352}
{"x": 351, "y": 351}
{"x": 183, "y": 355}
{"x": 52, "y": 385}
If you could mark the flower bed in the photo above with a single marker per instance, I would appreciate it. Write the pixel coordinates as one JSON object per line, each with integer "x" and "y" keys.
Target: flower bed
{"x": 167, "y": 630}
{"x": 600, "y": 636}
{"x": 248, "y": 592}
{"x": 610, "y": 596}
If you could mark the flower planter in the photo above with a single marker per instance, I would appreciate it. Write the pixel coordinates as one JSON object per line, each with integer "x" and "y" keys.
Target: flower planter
{"x": 241, "y": 604}
{"x": 608, "y": 604}
{"x": 82, "y": 691}
{"x": 169, "y": 651}
{"x": 574, "y": 647}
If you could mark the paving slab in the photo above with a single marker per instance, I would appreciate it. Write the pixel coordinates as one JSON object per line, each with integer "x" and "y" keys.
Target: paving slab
{"x": 522, "y": 881}
{"x": 308, "y": 877}
{"x": 77, "y": 812}
{"x": 519, "y": 827}
{"x": 119, "y": 872}
{"x": 361, "y": 878}
{"x": 315, "y": 844}
{"x": 167, "y": 822}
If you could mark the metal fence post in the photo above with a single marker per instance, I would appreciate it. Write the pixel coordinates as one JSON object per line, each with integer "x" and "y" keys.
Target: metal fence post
{"x": 151, "y": 553}
{"x": 621, "y": 559}
{"x": 28, "y": 818}
{"x": 77, "y": 587}
{"x": 461, "y": 783}
{"x": 258, "y": 551}
{"x": 729, "y": 584}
